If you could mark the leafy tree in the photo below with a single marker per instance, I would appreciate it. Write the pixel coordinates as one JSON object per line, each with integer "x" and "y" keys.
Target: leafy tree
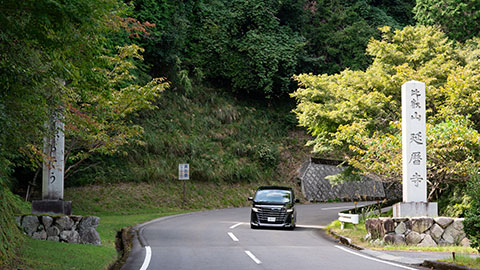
{"x": 357, "y": 113}
{"x": 459, "y": 19}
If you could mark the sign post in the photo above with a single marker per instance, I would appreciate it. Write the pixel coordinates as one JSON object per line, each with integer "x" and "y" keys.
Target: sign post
{"x": 414, "y": 154}
{"x": 184, "y": 174}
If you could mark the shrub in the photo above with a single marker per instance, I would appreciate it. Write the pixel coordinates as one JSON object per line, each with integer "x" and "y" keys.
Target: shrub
{"x": 472, "y": 215}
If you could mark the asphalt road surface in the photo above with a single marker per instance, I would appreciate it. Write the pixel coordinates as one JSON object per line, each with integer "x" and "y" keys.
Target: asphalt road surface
{"x": 222, "y": 239}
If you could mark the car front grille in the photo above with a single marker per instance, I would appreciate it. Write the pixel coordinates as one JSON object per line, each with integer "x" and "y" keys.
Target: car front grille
{"x": 280, "y": 214}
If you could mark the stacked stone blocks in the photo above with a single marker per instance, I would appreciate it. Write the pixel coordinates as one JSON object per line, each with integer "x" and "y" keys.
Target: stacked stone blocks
{"x": 420, "y": 231}
{"x": 70, "y": 229}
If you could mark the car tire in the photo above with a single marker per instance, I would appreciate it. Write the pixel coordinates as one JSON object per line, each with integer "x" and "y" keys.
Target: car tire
{"x": 253, "y": 227}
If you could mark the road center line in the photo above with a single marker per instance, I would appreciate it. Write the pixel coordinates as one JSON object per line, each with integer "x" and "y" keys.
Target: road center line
{"x": 148, "y": 256}
{"x": 233, "y": 237}
{"x": 250, "y": 254}
{"x": 236, "y": 225}
{"x": 374, "y": 259}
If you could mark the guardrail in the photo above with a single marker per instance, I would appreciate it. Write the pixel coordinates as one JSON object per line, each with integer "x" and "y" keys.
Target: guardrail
{"x": 350, "y": 218}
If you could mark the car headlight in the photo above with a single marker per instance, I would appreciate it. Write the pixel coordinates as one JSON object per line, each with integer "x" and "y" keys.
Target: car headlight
{"x": 254, "y": 209}
{"x": 290, "y": 210}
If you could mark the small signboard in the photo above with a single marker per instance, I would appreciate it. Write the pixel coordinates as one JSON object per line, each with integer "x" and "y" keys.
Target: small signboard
{"x": 183, "y": 171}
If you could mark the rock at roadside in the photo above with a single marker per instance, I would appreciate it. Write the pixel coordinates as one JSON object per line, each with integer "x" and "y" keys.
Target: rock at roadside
{"x": 443, "y": 221}
{"x": 30, "y": 224}
{"x": 47, "y": 221}
{"x": 427, "y": 242}
{"x": 41, "y": 235}
{"x": 413, "y": 238}
{"x": 375, "y": 228}
{"x": 452, "y": 235}
{"x": 458, "y": 224}
{"x": 465, "y": 242}
{"x": 64, "y": 223}
{"x": 70, "y": 237}
{"x": 88, "y": 222}
{"x": 53, "y": 231}
{"x": 394, "y": 239}
{"x": 436, "y": 232}
{"x": 401, "y": 228}
{"x": 90, "y": 236}
{"x": 420, "y": 225}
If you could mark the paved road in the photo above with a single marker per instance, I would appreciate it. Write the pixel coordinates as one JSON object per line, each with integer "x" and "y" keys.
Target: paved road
{"x": 222, "y": 239}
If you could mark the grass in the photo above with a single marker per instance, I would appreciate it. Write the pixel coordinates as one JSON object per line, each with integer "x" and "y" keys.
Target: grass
{"x": 357, "y": 237}
{"x": 465, "y": 261}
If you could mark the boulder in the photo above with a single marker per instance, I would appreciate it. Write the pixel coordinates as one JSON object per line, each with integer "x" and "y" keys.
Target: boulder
{"x": 443, "y": 221}
{"x": 394, "y": 239}
{"x": 40, "y": 235}
{"x": 436, "y": 232}
{"x": 53, "y": 231}
{"x": 413, "y": 238}
{"x": 458, "y": 224}
{"x": 401, "y": 228}
{"x": 422, "y": 224}
{"x": 88, "y": 222}
{"x": 53, "y": 238}
{"x": 375, "y": 228}
{"x": 47, "y": 221}
{"x": 90, "y": 236}
{"x": 30, "y": 224}
{"x": 465, "y": 242}
{"x": 427, "y": 242}
{"x": 70, "y": 236}
{"x": 64, "y": 223}
{"x": 452, "y": 235}
{"x": 388, "y": 225}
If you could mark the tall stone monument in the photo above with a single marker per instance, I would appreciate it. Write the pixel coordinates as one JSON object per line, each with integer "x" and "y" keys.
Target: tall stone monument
{"x": 414, "y": 154}
{"x": 53, "y": 170}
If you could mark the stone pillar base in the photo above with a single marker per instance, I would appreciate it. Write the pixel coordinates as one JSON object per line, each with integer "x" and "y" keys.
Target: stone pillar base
{"x": 415, "y": 209}
{"x": 52, "y": 207}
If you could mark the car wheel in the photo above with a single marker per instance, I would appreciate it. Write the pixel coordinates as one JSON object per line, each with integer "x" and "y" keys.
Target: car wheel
{"x": 253, "y": 226}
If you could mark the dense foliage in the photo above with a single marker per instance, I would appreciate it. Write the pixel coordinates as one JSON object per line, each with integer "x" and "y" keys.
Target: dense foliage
{"x": 459, "y": 19}
{"x": 472, "y": 215}
{"x": 254, "y": 47}
{"x": 357, "y": 113}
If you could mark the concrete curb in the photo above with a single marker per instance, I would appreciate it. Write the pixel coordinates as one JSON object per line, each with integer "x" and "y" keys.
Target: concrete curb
{"x": 345, "y": 240}
{"x": 444, "y": 266}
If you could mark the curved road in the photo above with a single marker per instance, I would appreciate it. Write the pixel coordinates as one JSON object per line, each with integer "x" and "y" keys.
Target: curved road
{"x": 222, "y": 239}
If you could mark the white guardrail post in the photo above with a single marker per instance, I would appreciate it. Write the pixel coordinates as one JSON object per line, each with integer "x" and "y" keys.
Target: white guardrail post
{"x": 350, "y": 218}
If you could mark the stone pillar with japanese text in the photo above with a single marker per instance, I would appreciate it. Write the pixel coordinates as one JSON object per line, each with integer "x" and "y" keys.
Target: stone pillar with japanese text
{"x": 53, "y": 169}
{"x": 414, "y": 154}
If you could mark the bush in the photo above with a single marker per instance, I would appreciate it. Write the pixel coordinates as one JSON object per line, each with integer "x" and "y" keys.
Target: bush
{"x": 472, "y": 215}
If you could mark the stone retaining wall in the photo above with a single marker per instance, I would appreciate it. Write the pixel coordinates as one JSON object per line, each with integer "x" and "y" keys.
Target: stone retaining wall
{"x": 421, "y": 231}
{"x": 70, "y": 229}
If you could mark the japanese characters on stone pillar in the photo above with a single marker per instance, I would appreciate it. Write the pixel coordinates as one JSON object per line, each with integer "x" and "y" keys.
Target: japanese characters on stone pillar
{"x": 53, "y": 164}
{"x": 414, "y": 141}
{"x": 414, "y": 154}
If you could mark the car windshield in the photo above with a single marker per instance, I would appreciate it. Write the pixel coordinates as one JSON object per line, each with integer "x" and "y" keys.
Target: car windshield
{"x": 273, "y": 196}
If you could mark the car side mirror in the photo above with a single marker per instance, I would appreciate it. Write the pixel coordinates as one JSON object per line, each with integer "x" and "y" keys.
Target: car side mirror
{"x": 250, "y": 199}
{"x": 297, "y": 200}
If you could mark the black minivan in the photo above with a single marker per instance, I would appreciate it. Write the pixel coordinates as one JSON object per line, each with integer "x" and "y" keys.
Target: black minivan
{"x": 273, "y": 206}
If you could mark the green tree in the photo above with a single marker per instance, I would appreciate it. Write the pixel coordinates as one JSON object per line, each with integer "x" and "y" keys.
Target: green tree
{"x": 459, "y": 19}
{"x": 472, "y": 215}
{"x": 357, "y": 113}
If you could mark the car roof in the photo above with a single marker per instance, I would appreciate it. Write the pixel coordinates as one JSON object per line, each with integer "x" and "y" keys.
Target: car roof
{"x": 275, "y": 187}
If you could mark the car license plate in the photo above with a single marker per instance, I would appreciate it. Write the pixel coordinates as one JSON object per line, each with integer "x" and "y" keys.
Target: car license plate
{"x": 271, "y": 219}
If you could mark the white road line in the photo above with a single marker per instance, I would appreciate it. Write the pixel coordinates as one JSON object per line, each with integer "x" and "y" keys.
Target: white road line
{"x": 236, "y": 225}
{"x": 233, "y": 237}
{"x": 148, "y": 256}
{"x": 250, "y": 254}
{"x": 374, "y": 259}
{"x": 311, "y": 227}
